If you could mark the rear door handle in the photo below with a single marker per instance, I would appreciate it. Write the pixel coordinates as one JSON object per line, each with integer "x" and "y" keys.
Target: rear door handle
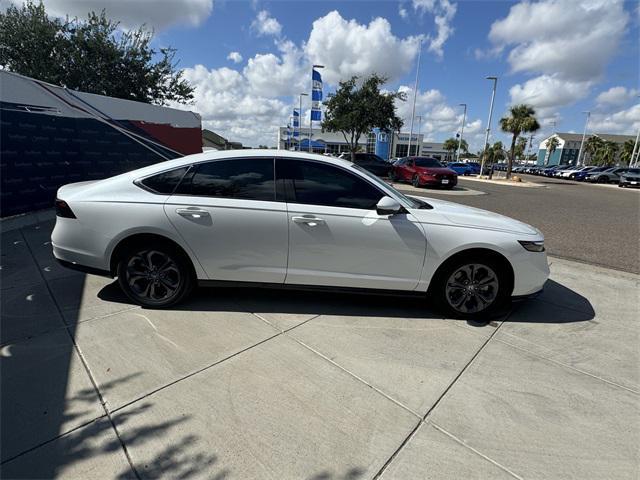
{"x": 311, "y": 221}
{"x": 192, "y": 212}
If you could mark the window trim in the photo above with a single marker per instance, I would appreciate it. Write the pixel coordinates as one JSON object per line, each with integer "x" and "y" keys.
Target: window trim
{"x": 138, "y": 181}
{"x": 289, "y": 191}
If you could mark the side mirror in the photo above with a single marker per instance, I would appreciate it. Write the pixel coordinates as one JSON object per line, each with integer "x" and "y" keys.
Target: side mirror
{"x": 388, "y": 206}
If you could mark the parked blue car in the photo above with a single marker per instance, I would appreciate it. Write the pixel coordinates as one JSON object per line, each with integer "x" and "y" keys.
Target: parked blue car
{"x": 460, "y": 168}
{"x": 475, "y": 167}
{"x": 581, "y": 175}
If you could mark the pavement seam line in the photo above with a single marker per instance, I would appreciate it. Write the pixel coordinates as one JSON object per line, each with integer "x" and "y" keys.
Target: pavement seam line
{"x": 360, "y": 379}
{"x": 76, "y": 347}
{"x": 565, "y": 365}
{"x": 196, "y": 372}
{"x": 439, "y": 399}
{"x": 464, "y": 444}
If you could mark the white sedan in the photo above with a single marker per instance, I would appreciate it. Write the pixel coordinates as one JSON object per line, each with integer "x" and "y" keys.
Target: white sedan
{"x": 290, "y": 219}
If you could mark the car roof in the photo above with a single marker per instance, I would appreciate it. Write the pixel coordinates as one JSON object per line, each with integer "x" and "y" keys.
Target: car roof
{"x": 227, "y": 154}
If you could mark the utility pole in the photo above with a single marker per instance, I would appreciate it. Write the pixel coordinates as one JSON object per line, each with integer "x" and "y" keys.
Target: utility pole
{"x": 419, "y": 149}
{"x": 415, "y": 94}
{"x": 634, "y": 155}
{"x": 464, "y": 117}
{"x": 584, "y": 134}
{"x": 300, "y": 122}
{"x": 486, "y": 138}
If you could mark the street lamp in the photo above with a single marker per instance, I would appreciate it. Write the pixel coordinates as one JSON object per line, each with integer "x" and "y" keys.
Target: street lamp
{"x": 300, "y": 121}
{"x": 584, "y": 134}
{"x": 486, "y": 138}
{"x": 464, "y": 117}
{"x": 635, "y": 154}
{"x": 415, "y": 94}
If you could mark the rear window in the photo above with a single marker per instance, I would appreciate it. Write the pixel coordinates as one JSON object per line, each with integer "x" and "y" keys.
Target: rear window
{"x": 165, "y": 182}
{"x": 428, "y": 162}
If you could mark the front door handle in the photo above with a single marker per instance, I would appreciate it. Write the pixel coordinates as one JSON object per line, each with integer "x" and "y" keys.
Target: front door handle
{"x": 192, "y": 212}
{"x": 311, "y": 221}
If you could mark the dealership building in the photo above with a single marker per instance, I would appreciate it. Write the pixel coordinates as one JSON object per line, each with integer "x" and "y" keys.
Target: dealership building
{"x": 382, "y": 144}
{"x": 566, "y": 153}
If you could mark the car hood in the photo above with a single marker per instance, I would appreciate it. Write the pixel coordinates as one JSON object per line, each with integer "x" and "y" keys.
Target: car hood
{"x": 456, "y": 214}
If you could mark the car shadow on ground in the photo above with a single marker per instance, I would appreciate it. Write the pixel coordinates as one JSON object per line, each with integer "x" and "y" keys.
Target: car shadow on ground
{"x": 366, "y": 304}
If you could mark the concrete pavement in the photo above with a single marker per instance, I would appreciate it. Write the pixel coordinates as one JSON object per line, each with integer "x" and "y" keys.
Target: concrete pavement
{"x": 287, "y": 385}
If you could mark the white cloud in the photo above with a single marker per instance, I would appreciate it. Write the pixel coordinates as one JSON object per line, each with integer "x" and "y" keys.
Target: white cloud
{"x": 235, "y": 57}
{"x": 625, "y": 121}
{"x": 402, "y": 12}
{"x": 616, "y": 97}
{"x": 346, "y": 48}
{"x": 574, "y": 40}
{"x": 272, "y": 75}
{"x": 439, "y": 119}
{"x": 158, "y": 14}
{"x": 443, "y": 12}
{"x": 264, "y": 24}
{"x": 566, "y": 44}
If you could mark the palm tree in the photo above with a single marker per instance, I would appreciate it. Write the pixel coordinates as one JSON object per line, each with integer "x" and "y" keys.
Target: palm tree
{"x": 521, "y": 146}
{"x": 593, "y": 146}
{"x": 450, "y": 145}
{"x": 521, "y": 119}
{"x": 552, "y": 145}
{"x": 608, "y": 152}
{"x": 627, "y": 151}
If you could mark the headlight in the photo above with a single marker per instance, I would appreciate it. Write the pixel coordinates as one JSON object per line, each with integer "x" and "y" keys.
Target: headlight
{"x": 532, "y": 246}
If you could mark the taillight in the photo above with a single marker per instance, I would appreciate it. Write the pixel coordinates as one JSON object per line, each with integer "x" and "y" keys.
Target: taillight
{"x": 63, "y": 209}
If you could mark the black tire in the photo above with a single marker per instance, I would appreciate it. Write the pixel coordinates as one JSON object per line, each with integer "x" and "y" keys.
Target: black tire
{"x": 448, "y": 286}
{"x": 155, "y": 276}
{"x": 392, "y": 176}
{"x": 603, "y": 179}
{"x": 416, "y": 181}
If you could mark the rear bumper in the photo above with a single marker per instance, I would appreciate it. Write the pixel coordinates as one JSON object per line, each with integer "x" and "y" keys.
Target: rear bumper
{"x": 85, "y": 269}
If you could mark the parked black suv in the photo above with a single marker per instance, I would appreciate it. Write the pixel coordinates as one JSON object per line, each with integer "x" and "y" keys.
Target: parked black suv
{"x": 370, "y": 162}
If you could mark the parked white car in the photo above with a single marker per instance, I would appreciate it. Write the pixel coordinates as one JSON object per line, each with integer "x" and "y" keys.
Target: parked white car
{"x": 290, "y": 219}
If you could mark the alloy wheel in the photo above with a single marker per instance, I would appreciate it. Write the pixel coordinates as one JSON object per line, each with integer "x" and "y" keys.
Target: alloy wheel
{"x": 153, "y": 275}
{"x": 472, "y": 288}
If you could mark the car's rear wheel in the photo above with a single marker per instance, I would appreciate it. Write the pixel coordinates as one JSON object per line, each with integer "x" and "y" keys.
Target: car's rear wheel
{"x": 392, "y": 176}
{"x": 603, "y": 179}
{"x": 472, "y": 287}
{"x": 416, "y": 181}
{"x": 155, "y": 276}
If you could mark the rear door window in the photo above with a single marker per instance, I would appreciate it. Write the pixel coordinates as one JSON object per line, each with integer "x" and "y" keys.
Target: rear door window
{"x": 240, "y": 178}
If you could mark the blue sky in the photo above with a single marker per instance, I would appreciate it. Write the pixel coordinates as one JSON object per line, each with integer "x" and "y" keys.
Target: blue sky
{"x": 563, "y": 57}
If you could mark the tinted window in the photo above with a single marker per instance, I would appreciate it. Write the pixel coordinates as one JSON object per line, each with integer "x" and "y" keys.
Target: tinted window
{"x": 320, "y": 184}
{"x": 243, "y": 178}
{"x": 427, "y": 162}
{"x": 165, "y": 182}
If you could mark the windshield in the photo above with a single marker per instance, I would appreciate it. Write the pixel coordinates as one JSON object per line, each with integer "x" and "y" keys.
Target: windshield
{"x": 406, "y": 202}
{"x": 633, "y": 170}
{"x": 428, "y": 162}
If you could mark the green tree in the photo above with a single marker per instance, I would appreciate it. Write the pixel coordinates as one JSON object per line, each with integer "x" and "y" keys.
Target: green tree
{"x": 90, "y": 55}
{"x": 521, "y": 146}
{"x": 355, "y": 109}
{"x": 608, "y": 153}
{"x": 593, "y": 147}
{"x": 552, "y": 146}
{"x": 450, "y": 145}
{"x": 627, "y": 151}
{"x": 521, "y": 119}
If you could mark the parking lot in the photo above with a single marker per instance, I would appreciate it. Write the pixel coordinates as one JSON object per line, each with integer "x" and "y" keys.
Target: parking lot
{"x": 596, "y": 224}
{"x": 288, "y": 385}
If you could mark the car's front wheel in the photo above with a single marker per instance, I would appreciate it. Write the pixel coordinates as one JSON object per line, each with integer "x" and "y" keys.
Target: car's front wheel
{"x": 155, "y": 276}
{"x": 472, "y": 287}
{"x": 416, "y": 181}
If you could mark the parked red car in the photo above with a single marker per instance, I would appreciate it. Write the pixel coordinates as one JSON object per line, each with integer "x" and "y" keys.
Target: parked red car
{"x": 422, "y": 171}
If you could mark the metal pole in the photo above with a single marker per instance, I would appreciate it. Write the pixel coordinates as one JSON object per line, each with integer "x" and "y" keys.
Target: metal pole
{"x": 419, "y": 147}
{"x": 486, "y": 138}
{"x": 300, "y": 122}
{"x": 634, "y": 154}
{"x": 584, "y": 134}
{"x": 415, "y": 94}
{"x": 464, "y": 117}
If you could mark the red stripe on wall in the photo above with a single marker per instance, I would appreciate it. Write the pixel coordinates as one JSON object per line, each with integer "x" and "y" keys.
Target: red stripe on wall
{"x": 183, "y": 140}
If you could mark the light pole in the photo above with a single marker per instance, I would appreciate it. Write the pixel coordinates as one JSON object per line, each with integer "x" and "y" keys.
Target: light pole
{"x": 464, "y": 117}
{"x": 419, "y": 147}
{"x": 300, "y": 121}
{"x": 635, "y": 154}
{"x": 584, "y": 134}
{"x": 415, "y": 94}
{"x": 486, "y": 138}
